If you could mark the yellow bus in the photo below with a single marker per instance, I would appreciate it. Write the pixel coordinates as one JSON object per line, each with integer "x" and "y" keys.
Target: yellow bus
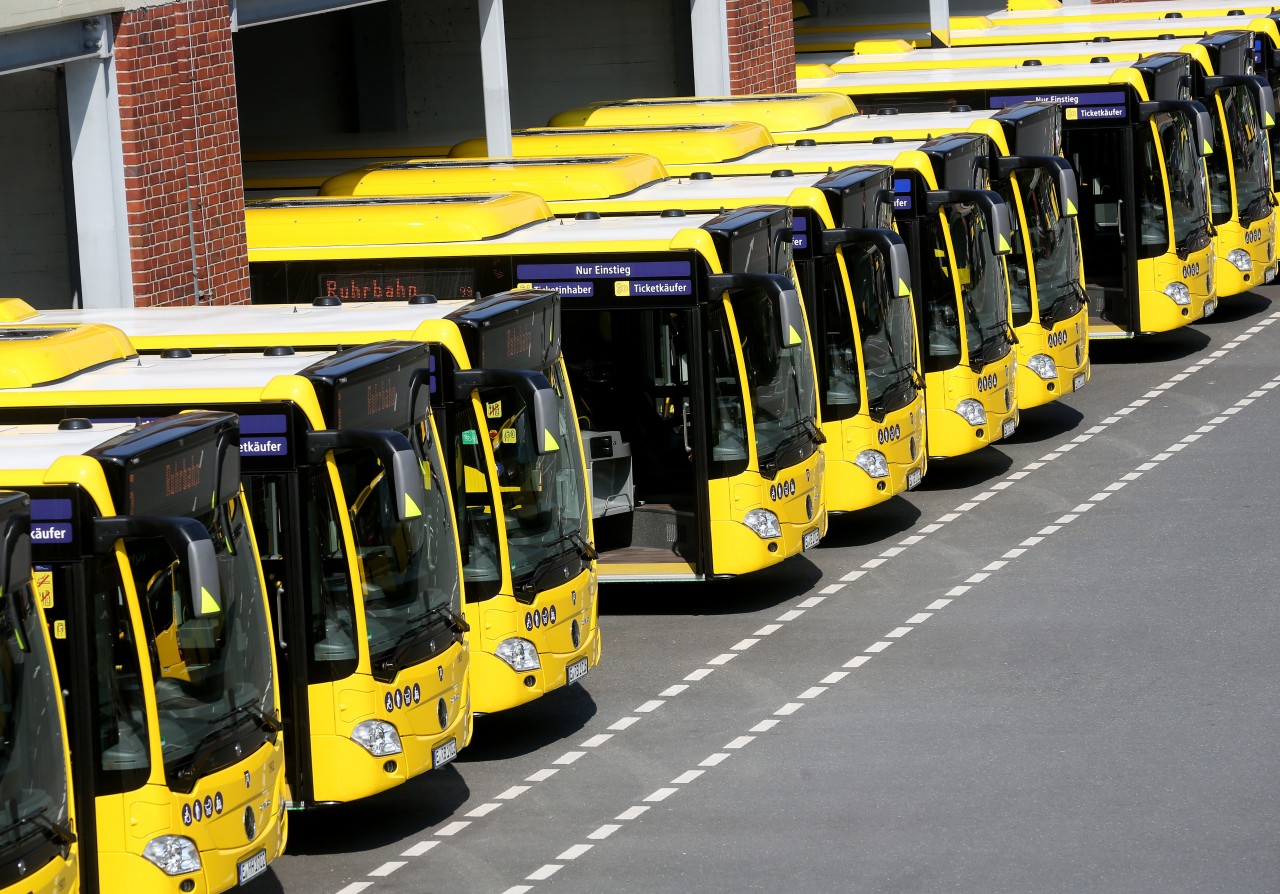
{"x": 683, "y": 334}
{"x": 1136, "y": 145}
{"x": 1241, "y": 108}
{"x": 966, "y": 31}
{"x": 146, "y": 568}
{"x": 853, "y": 275}
{"x": 1036, "y": 183}
{"x": 345, "y": 483}
{"x": 39, "y": 850}
{"x": 1049, "y": 12}
{"x": 507, "y": 430}
{"x": 967, "y": 408}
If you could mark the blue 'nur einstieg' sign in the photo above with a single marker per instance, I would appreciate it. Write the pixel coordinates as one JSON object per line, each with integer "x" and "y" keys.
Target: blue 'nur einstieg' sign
{"x": 1101, "y": 104}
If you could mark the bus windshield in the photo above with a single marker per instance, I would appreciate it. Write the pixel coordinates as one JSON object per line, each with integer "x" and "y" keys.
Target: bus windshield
{"x": 1056, "y": 249}
{"x": 1188, "y": 201}
{"x": 34, "y": 782}
{"x": 409, "y": 568}
{"x": 542, "y": 497}
{"x": 983, "y": 292}
{"x": 211, "y": 663}
{"x": 779, "y": 377}
{"x": 1250, "y": 154}
{"x": 885, "y": 324}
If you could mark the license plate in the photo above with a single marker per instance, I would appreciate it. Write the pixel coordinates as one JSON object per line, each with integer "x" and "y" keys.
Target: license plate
{"x": 1078, "y": 382}
{"x": 442, "y": 754}
{"x": 1270, "y": 275}
{"x": 913, "y": 479}
{"x": 1010, "y": 425}
{"x": 811, "y": 538}
{"x": 1209, "y": 308}
{"x": 252, "y": 867}
{"x": 576, "y": 671}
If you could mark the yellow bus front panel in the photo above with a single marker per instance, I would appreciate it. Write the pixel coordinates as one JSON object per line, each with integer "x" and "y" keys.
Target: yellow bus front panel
{"x": 1066, "y": 346}
{"x": 235, "y": 817}
{"x": 1258, "y": 242}
{"x": 562, "y": 623}
{"x": 794, "y": 497}
{"x": 899, "y": 438}
{"x": 1162, "y": 312}
{"x": 951, "y": 434}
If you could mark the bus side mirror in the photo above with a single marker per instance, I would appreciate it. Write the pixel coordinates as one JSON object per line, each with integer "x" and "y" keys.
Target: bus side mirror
{"x": 188, "y": 539}
{"x": 534, "y": 388}
{"x": 993, "y": 208}
{"x": 890, "y": 245}
{"x": 1057, "y": 167}
{"x": 394, "y": 452}
{"x": 785, "y": 298}
{"x": 1264, "y": 100}
{"x": 1201, "y": 123}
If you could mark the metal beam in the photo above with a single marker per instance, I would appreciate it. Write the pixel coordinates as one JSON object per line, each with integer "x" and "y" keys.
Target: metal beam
{"x": 709, "y": 22}
{"x": 53, "y": 44}
{"x": 940, "y": 23}
{"x": 247, "y": 13}
{"x": 97, "y": 172}
{"x": 493, "y": 75}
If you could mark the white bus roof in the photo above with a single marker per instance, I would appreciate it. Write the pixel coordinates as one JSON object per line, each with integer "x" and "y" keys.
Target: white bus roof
{"x": 198, "y": 372}
{"x": 1083, "y": 72}
{"x": 863, "y": 126}
{"x": 1017, "y": 54}
{"x": 266, "y": 319}
{"x": 1149, "y": 9}
{"x": 38, "y": 446}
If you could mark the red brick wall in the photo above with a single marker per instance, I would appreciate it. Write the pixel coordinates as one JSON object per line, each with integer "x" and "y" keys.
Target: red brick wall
{"x": 180, "y": 131}
{"x": 761, "y": 46}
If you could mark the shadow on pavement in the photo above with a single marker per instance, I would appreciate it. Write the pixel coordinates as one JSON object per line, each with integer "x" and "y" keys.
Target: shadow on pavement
{"x": 970, "y": 470}
{"x": 528, "y": 728}
{"x": 742, "y": 595}
{"x": 895, "y": 516}
{"x": 1165, "y": 347}
{"x": 386, "y": 818}
{"x": 1043, "y": 424}
{"x": 1237, "y": 308}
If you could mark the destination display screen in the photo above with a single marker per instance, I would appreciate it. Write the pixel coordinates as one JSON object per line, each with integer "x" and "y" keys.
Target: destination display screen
{"x": 396, "y": 284}
{"x": 380, "y": 401}
{"x": 185, "y": 481}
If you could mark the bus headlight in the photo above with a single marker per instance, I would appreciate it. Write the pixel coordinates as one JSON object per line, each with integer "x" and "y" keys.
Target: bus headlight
{"x": 174, "y": 854}
{"x": 972, "y": 411}
{"x": 1240, "y": 259}
{"x": 1180, "y": 294}
{"x": 1043, "y": 366}
{"x": 764, "y": 523}
{"x": 873, "y": 463}
{"x": 377, "y": 737}
{"x": 521, "y": 654}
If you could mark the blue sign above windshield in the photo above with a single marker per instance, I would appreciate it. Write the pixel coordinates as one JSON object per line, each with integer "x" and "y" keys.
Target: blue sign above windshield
{"x": 1077, "y": 105}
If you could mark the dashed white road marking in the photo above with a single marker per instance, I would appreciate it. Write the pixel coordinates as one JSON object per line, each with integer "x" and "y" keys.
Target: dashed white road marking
{"x": 687, "y": 776}
{"x": 387, "y": 868}
{"x": 714, "y": 760}
{"x": 419, "y": 849}
{"x": 604, "y": 832}
{"x": 623, "y": 723}
{"x": 575, "y": 852}
{"x": 514, "y": 792}
{"x": 598, "y": 739}
{"x": 651, "y": 706}
{"x": 455, "y": 827}
{"x": 543, "y": 873}
{"x": 788, "y": 709}
{"x": 568, "y": 757}
{"x": 661, "y": 794}
{"x": 632, "y": 812}
{"x": 542, "y": 775}
{"x": 484, "y": 809}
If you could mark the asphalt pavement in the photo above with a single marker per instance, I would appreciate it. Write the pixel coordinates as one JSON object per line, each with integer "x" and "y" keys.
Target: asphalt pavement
{"x": 1050, "y": 669}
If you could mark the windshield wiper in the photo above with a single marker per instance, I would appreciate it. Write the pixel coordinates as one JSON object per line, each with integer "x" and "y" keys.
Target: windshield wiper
{"x": 419, "y": 625}
{"x": 41, "y": 820}
{"x": 585, "y": 551}
{"x": 907, "y": 376}
{"x": 1057, "y": 312}
{"x": 216, "y": 737}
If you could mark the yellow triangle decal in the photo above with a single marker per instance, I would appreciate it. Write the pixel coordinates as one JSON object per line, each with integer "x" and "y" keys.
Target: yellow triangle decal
{"x": 548, "y": 441}
{"x": 208, "y": 605}
{"x": 411, "y": 509}
{"x": 903, "y": 289}
{"x": 793, "y": 337}
{"x": 1271, "y": 122}
{"x": 1208, "y": 149}
{"x": 1004, "y": 244}
{"x": 1071, "y": 209}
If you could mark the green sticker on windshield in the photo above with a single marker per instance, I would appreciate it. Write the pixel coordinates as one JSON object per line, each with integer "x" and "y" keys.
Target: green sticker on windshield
{"x": 469, "y": 438}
